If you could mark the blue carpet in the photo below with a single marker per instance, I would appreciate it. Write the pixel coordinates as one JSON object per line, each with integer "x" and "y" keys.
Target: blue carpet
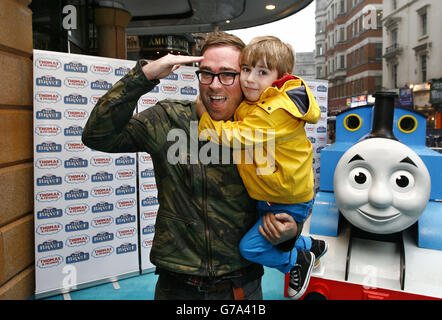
{"x": 142, "y": 287}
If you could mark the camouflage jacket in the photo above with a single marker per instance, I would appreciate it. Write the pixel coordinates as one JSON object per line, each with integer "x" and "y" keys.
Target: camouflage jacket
{"x": 204, "y": 209}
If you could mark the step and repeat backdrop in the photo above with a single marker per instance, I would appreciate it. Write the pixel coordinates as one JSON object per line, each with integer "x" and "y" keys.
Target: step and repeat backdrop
{"x": 317, "y": 133}
{"x": 95, "y": 212}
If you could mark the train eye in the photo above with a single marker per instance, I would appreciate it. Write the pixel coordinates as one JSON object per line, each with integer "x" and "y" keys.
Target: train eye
{"x": 407, "y": 124}
{"x": 360, "y": 178}
{"x": 352, "y": 122}
{"x": 402, "y": 181}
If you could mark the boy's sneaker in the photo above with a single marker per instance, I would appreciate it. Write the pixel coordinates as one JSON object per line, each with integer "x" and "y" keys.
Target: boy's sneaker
{"x": 319, "y": 248}
{"x": 300, "y": 274}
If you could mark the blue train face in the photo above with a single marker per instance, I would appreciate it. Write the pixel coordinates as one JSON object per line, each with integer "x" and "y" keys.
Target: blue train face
{"x": 381, "y": 185}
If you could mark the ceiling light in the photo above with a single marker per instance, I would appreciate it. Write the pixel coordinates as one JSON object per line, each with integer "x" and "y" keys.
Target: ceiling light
{"x": 270, "y": 7}
{"x": 227, "y": 21}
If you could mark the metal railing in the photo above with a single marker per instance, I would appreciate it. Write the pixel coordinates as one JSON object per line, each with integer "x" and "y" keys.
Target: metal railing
{"x": 391, "y": 49}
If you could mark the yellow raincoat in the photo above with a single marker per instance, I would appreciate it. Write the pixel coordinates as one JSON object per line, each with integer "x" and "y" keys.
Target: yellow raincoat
{"x": 271, "y": 149}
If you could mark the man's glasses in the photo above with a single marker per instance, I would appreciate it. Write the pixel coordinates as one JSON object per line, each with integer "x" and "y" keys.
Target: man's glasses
{"x": 226, "y": 78}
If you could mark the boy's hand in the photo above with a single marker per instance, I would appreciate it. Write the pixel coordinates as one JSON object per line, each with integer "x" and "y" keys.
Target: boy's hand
{"x": 200, "y": 107}
{"x": 278, "y": 228}
{"x": 163, "y": 66}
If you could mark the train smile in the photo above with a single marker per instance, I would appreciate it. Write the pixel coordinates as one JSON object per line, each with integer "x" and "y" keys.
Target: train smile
{"x": 378, "y": 218}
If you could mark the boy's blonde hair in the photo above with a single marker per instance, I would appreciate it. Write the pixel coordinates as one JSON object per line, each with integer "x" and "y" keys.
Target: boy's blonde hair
{"x": 274, "y": 53}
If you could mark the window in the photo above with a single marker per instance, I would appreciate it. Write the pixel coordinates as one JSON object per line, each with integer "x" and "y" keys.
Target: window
{"x": 319, "y": 50}
{"x": 342, "y": 6}
{"x": 423, "y": 20}
{"x": 394, "y": 36}
{"x": 377, "y": 83}
{"x": 319, "y": 28}
{"x": 342, "y": 35}
{"x": 319, "y": 72}
{"x": 423, "y": 23}
{"x": 342, "y": 65}
{"x": 379, "y": 14}
{"x": 378, "y": 50}
{"x": 394, "y": 75}
{"x": 424, "y": 67}
{"x": 394, "y": 4}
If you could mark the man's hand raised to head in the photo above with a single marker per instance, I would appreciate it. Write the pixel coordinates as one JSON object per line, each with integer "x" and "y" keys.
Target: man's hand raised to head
{"x": 163, "y": 66}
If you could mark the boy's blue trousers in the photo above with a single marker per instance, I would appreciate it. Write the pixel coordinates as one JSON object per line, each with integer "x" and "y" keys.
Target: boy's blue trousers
{"x": 254, "y": 247}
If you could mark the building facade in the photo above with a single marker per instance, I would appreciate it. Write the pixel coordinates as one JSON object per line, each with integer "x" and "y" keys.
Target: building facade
{"x": 305, "y": 65}
{"x": 413, "y": 43}
{"x": 412, "y": 61}
{"x": 349, "y": 50}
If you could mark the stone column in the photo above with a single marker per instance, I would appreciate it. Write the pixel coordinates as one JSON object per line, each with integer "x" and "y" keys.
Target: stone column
{"x": 16, "y": 152}
{"x": 111, "y": 24}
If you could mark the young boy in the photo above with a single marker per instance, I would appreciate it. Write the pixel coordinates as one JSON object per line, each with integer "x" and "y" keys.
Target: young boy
{"x": 272, "y": 117}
